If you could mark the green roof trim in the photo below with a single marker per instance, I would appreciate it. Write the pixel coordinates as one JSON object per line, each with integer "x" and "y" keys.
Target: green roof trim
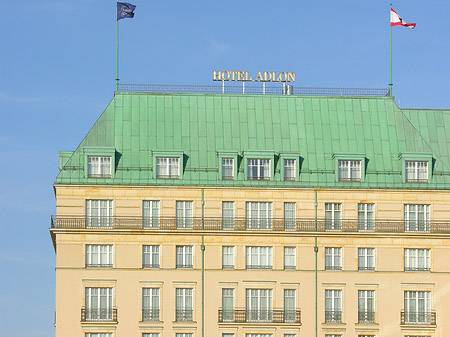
{"x": 207, "y": 127}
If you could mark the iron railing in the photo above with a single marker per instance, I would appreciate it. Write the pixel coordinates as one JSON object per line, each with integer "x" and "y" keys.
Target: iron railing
{"x": 150, "y": 265}
{"x": 417, "y": 269}
{"x": 333, "y": 316}
{"x": 97, "y": 265}
{"x": 365, "y": 317}
{"x": 99, "y": 315}
{"x": 249, "y": 89}
{"x": 258, "y": 266}
{"x": 260, "y": 316}
{"x": 243, "y": 224}
{"x": 418, "y": 318}
{"x": 184, "y": 315}
{"x": 150, "y": 315}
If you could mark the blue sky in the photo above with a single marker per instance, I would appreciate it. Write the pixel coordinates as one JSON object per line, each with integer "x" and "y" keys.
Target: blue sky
{"x": 57, "y": 70}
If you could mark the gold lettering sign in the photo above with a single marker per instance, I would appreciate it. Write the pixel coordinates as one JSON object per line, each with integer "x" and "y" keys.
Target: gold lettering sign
{"x": 261, "y": 76}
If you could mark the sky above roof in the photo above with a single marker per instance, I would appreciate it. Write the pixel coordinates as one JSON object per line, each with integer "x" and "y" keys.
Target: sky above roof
{"x": 57, "y": 66}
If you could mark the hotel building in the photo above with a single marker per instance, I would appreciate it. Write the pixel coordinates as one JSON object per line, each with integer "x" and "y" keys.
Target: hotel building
{"x": 230, "y": 215}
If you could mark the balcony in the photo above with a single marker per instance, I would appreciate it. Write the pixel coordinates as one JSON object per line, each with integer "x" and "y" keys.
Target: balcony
{"x": 99, "y": 315}
{"x": 278, "y": 316}
{"x": 418, "y": 318}
{"x": 366, "y": 317}
{"x": 258, "y": 266}
{"x": 150, "y": 315}
{"x": 184, "y": 315}
{"x": 333, "y": 316}
{"x": 243, "y": 224}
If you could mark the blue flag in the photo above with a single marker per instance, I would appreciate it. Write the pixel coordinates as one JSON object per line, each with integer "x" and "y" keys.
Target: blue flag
{"x": 125, "y": 10}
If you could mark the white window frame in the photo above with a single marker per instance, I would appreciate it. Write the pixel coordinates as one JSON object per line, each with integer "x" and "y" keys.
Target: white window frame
{"x": 366, "y": 258}
{"x": 258, "y": 215}
{"x": 184, "y": 214}
{"x": 99, "y": 166}
{"x": 150, "y": 304}
{"x": 414, "y": 224}
{"x": 333, "y": 216}
{"x": 413, "y": 301}
{"x": 95, "y": 254}
{"x": 151, "y": 334}
{"x": 290, "y": 303}
{"x": 289, "y": 169}
{"x": 150, "y": 213}
{"x": 290, "y": 258}
{"x": 99, "y": 213}
{"x": 258, "y": 169}
{"x": 148, "y": 254}
{"x": 184, "y": 334}
{"x": 98, "y": 334}
{"x": 416, "y": 171}
{"x": 98, "y": 304}
{"x": 349, "y": 170}
{"x": 258, "y": 257}
{"x": 227, "y": 257}
{"x": 185, "y": 255}
{"x": 167, "y": 168}
{"x": 228, "y": 215}
{"x": 334, "y": 298}
{"x": 366, "y": 217}
{"x": 366, "y": 306}
{"x": 290, "y": 209}
{"x": 258, "y": 305}
{"x": 185, "y": 311}
{"x": 227, "y": 312}
{"x": 227, "y": 163}
{"x": 417, "y": 259}
{"x": 258, "y": 335}
{"x": 333, "y": 258}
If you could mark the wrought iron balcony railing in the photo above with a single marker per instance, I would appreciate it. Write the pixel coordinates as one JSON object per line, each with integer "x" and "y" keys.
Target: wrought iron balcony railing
{"x": 333, "y": 267}
{"x": 260, "y": 316}
{"x": 150, "y": 265}
{"x": 101, "y": 265}
{"x": 99, "y": 315}
{"x": 366, "y": 317}
{"x": 184, "y": 315}
{"x": 417, "y": 268}
{"x": 258, "y": 266}
{"x": 366, "y": 267}
{"x": 150, "y": 315}
{"x": 418, "y": 318}
{"x": 244, "y": 224}
{"x": 333, "y": 316}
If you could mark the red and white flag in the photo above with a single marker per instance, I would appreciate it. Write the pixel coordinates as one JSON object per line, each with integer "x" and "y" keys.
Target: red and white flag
{"x": 396, "y": 20}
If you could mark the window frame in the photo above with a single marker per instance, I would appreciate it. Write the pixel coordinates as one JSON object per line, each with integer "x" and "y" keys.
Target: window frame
{"x": 98, "y": 312}
{"x": 261, "y": 256}
{"x": 170, "y": 164}
{"x": 413, "y": 315}
{"x": 182, "y": 253}
{"x": 290, "y": 222}
{"x": 150, "y": 255}
{"x": 264, "y": 298}
{"x": 227, "y": 220}
{"x": 411, "y": 263}
{"x": 185, "y": 313}
{"x": 419, "y": 226}
{"x": 151, "y": 220}
{"x": 333, "y": 254}
{"x": 367, "y": 225}
{"x": 100, "y": 165}
{"x": 258, "y": 155}
{"x": 149, "y": 312}
{"x": 101, "y": 221}
{"x": 335, "y": 314}
{"x": 261, "y": 222}
{"x": 99, "y": 152}
{"x": 363, "y": 255}
{"x": 290, "y": 256}
{"x": 366, "y": 312}
{"x": 334, "y": 223}
{"x": 109, "y": 256}
{"x": 361, "y": 157}
{"x": 184, "y": 221}
{"x": 416, "y": 157}
{"x": 228, "y": 256}
{"x": 167, "y": 154}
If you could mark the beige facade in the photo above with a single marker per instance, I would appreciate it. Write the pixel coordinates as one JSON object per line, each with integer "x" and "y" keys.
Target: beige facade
{"x": 390, "y": 282}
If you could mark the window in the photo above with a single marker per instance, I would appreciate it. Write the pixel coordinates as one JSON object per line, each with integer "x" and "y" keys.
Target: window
{"x": 150, "y": 213}
{"x": 258, "y": 169}
{"x": 417, "y": 259}
{"x": 289, "y": 170}
{"x": 228, "y": 305}
{"x": 333, "y": 258}
{"x": 417, "y": 218}
{"x": 289, "y": 216}
{"x": 258, "y": 335}
{"x": 349, "y": 170}
{"x": 259, "y": 305}
{"x": 259, "y": 257}
{"x": 184, "y": 335}
{"x": 259, "y": 215}
{"x": 333, "y": 335}
{"x": 366, "y": 335}
{"x": 167, "y": 168}
{"x": 366, "y": 217}
{"x": 150, "y": 256}
{"x": 184, "y": 257}
{"x": 227, "y": 257}
{"x": 416, "y": 171}
{"x": 97, "y": 334}
{"x": 333, "y": 306}
{"x": 417, "y": 307}
{"x": 289, "y": 305}
{"x": 333, "y": 217}
{"x": 366, "y": 258}
{"x": 99, "y": 256}
{"x": 184, "y": 214}
{"x": 99, "y": 213}
{"x": 228, "y": 215}
{"x": 366, "y": 306}
{"x": 150, "y": 335}
{"x": 289, "y": 335}
{"x": 289, "y": 258}
{"x": 228, "y": 335}
{"x": 150, "y": 304}
{"x": 98, "y": 305}
{"x": 183, "y": 311}
{"x": 99, "y": 167}
{"x": 227, "y": 168}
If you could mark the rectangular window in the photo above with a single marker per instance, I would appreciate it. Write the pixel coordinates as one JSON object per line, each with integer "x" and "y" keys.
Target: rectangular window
{"x": 228, "y": 215}
{"x": 333, "y": 306}
{"x": 417, "y": 307}
{"x": 99, "y": 256}
{"x": 333, "y": 258}
{"x": 167, "y": 168}
{"x": 366, "y": 217}
{"x": 150, "y": 213}
{"x": 228, "y": 305}
{"x": 417, "y": 259}
{"x": 333, "y": 335}
{"x": 184, "y": 305}
{"x": 417, "y": 218}
{"x": 184, "y": 214}
{"x": 366, "y": 258}
{"x": 259, "y": 305}
{"x": 416, "y": 171}
{"x": 289, "y": 170}
{"x": 289, "y": 305}
{"x": 366, "y": 306}
{"x": 349, "y": 170}
{"x": 150, "y": 335}
{"x": 97, "y": 334}
{"x": 259, "y": 257}
{"x": 227, "y": 168}
{"x": 99, "y": 213}
{"x": 333, "y": 216}
{"x": 289, "y": 335}
{"x": 227, "y": 257}
{"x": 258, "y": 169}
{"x": 289, "y": 258}
{"x": 150, "y": 256}
{"x": 99, "y": 167}
{"x": 184, "y": 257}
{"x": 98, "y": 304}
{"x": 150, "y": 304}
{"x": 184, "y": 335}
{"x": 289, "y": 216}
{"x": 259, "y": 215}
{"x": 258, "y": 335}
{"x": 228, "y": 335}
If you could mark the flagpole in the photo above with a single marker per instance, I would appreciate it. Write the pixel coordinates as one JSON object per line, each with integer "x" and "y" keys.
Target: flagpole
{"x": 117, "y": 52}
{"x": 390, "y": 82}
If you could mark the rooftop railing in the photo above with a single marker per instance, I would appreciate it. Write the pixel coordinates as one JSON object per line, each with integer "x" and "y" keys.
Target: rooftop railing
{"x": 243, "y": 224}
{"x": 253, "y": 89}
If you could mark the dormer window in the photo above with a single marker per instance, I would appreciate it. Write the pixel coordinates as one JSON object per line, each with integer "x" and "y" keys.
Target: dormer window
{"x": 289, "y": 170}
{"x": 227, "y": 168}
{"x": 99, "y": 167}
{"x": 416, "y": 171}
{"x": 349, "y": 170}
{"x": 167, "y": 168}
{"x": 258, "y": 169}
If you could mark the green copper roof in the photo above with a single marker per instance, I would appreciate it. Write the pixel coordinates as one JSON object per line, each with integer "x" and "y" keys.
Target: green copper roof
{"x": 316, "y": 130}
